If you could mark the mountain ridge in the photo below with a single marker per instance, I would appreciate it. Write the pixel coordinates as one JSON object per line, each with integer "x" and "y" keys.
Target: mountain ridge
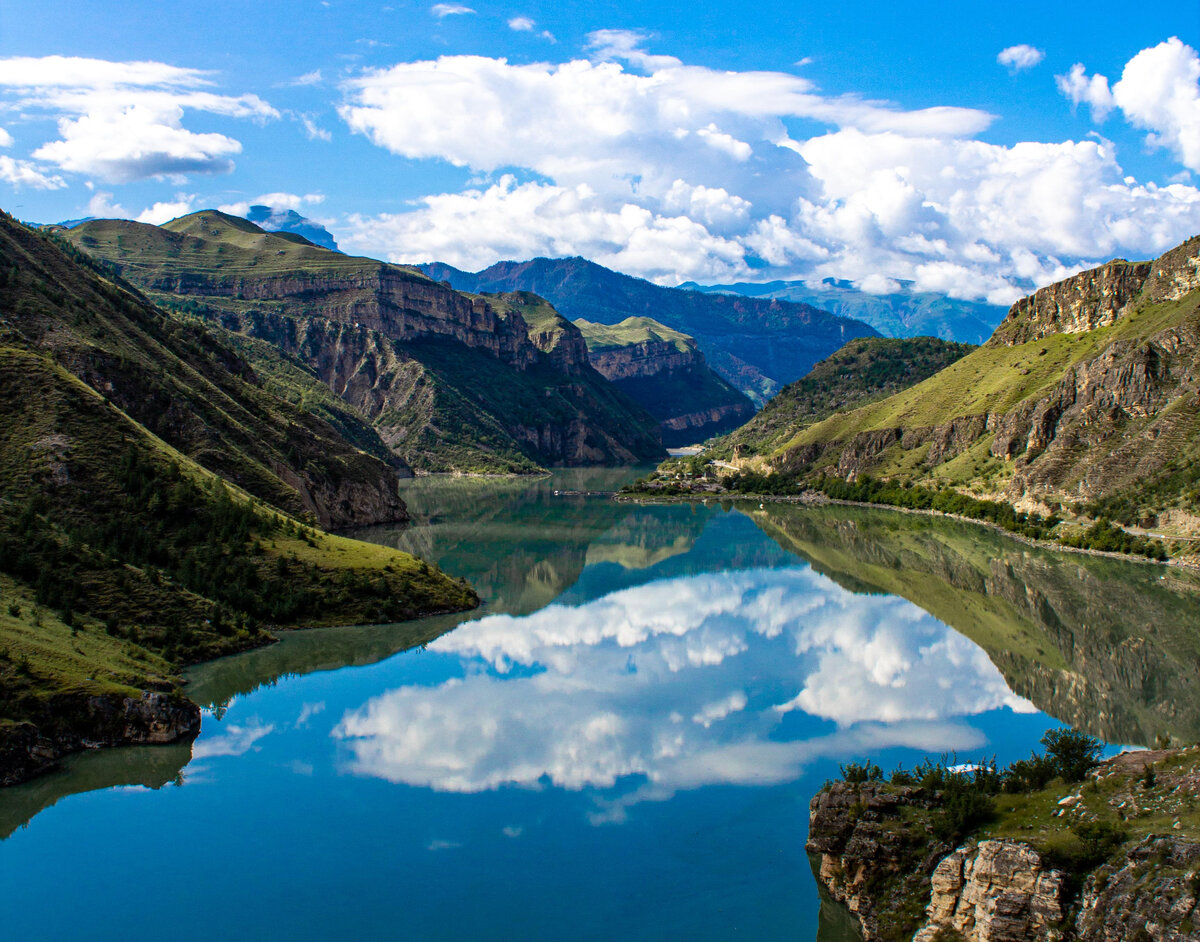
{"x": 757, "y": 345}
{"x": 450, "y": 381}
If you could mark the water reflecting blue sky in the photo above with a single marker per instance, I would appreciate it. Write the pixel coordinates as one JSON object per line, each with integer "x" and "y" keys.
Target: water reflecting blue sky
{"x": 634, "y": 758}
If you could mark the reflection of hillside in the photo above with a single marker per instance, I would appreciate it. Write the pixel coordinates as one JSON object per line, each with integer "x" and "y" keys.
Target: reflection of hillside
{"x": 1108, "y": 646}
{"x": 149, "y": 766}
{"x": 519, "y": 542}
{"x": 302, "y": 652}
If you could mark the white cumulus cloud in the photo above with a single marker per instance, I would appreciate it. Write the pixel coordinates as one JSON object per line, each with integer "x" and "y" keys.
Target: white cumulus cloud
{"x": 124, "y": 121}
{"x": 522, "y": 24}
{"x": 652, "y": 682}
{"x": 443, "y": 10}
{"x": 1159, "y": 92}
{"x": 1022, "y": 56}
{"x": 677, "y": 172}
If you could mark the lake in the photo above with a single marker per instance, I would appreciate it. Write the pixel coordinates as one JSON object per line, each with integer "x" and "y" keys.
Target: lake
{"x": 621, "y": 743}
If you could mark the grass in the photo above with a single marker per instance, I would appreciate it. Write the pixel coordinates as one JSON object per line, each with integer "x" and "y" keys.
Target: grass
{"x": 632, "y": 330}
{"x": 861, "y": 371}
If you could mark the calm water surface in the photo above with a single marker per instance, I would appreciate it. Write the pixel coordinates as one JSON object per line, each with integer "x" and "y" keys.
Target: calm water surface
{"x": 621, "y": 744}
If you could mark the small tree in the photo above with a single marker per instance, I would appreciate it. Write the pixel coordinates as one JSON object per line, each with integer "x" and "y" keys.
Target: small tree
{"x": 1074, "y": 753}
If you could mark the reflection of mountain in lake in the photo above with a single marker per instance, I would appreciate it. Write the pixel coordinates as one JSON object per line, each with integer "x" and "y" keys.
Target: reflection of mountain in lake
{"x": 147, "y": 766}
{"x": 1111, "y": 647}
{"x": 521, "y": 542}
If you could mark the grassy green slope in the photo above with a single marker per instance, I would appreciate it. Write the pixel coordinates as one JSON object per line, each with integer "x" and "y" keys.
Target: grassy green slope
{"x": 122, "y": 558}
{"x": 862, "y": 371}
{"x": 631, "y": 331}
{"x": 1108, "y": 418}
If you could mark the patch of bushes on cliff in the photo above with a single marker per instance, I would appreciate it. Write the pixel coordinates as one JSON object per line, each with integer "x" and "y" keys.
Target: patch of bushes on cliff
{"x": 867, "y": 489}
{"x": 1177, "y": 482}
{"x": 966, "y": 793}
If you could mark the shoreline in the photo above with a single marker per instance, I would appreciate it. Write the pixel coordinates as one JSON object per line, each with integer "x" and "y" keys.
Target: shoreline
{"x": 151, "y": 717}
{"x": 816, "y": 499}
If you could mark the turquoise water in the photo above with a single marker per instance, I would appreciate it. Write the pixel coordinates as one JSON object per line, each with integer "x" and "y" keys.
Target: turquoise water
{"x": 621, "y": 744}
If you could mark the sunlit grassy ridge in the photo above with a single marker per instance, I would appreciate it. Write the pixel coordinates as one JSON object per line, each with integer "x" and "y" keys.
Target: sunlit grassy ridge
{"x": 632, "y": 330}
{"x": 863, "y": 370}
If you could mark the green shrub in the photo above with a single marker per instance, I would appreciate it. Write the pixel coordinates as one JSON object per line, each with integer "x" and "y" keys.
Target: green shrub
{"x": 1073, "y": 753}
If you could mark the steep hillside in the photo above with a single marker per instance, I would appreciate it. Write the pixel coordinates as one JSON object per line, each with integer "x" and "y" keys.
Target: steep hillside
{"x": 663, "y": 371}
{"x": 1088, "y": 395}
{"x": 903, "y": 313}
{"x": 123, "y": 559}
{"x": 860, "y": 372}
{"x": 756, "y": 344}
{"x": 451, "y": 382}
{"x": 190, "y": 390}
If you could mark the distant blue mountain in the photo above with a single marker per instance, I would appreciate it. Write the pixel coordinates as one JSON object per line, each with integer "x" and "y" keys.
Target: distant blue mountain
{"x": 905, "y": 313}
{"x": 288, "y": 220}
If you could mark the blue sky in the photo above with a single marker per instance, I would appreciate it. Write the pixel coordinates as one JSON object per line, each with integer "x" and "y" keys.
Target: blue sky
{"x": 676, "y": 141}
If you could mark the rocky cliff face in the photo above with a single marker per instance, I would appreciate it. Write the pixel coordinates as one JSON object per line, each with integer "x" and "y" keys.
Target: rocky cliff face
{"x": 70, "y": 724}
{"x": 664, "y": 371}
{"x": 995, "y": 891}
{"x": 867, "y": 864}
{"x": 1150, "y": 894}
{"x": 422, "y": 411}
{"x": 384, "y": 298}
{"x": 1089, "y": 300}
{"x": 644, "y": 359}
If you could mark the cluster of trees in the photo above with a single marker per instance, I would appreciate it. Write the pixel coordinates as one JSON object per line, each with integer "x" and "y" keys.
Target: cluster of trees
{"x": 946, "y": 500}
{"x": 1106, "y": 536}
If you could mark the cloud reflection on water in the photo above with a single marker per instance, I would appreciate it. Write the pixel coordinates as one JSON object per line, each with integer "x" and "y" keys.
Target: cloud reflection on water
{"x": 677, "y": 684}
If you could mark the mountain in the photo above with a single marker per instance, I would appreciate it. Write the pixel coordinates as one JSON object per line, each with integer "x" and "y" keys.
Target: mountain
{"x": 663, "y": 371}
{"x": 862, "y": 371}
{"x": 448, "y": 381}
{"x": 155, "y": 510}
{"x": 903, "y": 313}
{"x": 288, "y": 220}
{"x": 757, "y": 344}
{"x": 1086, "y": 396}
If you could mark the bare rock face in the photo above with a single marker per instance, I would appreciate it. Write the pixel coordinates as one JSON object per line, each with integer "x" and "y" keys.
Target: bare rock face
{"x": 998, "y": 891}
{"x": 1089, "y": 300}
{"x": 394, "y": 302}
{"x": 648, "y": 358}
{"x": 856, "y": 850}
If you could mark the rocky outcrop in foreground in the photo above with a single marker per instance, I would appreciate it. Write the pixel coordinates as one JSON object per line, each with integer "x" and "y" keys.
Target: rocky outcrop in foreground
{"x": 874, "y": 852}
